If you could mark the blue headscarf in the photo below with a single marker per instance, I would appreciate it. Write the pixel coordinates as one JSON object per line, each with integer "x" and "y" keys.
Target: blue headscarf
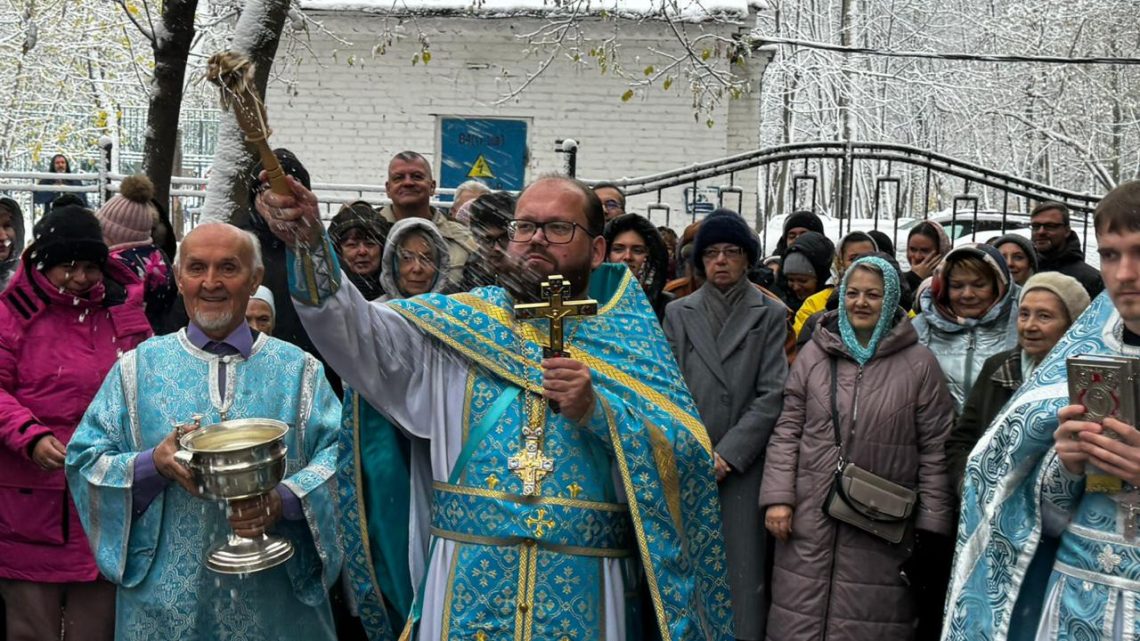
{"x": 886, "y": 318}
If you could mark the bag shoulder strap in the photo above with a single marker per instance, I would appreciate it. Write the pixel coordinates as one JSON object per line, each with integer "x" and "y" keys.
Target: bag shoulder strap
{"x": 835, "y": 406}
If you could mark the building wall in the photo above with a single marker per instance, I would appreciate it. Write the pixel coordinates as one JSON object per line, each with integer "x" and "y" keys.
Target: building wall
{"x": 348, "y": 110}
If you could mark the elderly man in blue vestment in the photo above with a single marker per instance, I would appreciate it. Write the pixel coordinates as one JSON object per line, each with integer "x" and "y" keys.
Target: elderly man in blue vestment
{"x": 525, "y": 523}
{"x": 149, "y": 530}
{"x": 1041, "y": 555}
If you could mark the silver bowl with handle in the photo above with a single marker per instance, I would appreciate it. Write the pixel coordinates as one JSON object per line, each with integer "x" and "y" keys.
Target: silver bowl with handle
{"x": 234, "y": 460}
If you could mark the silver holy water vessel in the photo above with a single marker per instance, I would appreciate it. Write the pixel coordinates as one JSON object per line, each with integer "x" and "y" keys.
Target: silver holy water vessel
{"x": 234, "y": 460}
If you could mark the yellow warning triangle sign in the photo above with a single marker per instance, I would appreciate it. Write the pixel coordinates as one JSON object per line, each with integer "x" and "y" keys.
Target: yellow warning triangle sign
{"x": 481, "y": 169}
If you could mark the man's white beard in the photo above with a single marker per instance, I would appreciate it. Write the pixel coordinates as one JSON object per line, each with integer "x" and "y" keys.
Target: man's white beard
{"x": 213, "y": 321}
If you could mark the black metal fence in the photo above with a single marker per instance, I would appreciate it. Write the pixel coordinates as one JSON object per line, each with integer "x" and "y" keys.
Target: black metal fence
{"x": 883, "y": 182}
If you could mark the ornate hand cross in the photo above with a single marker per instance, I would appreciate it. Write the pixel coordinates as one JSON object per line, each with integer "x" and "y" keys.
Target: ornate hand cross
{"x": 554, "y": 289}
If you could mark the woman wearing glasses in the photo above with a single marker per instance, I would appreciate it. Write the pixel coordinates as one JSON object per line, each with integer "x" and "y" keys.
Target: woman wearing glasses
{"x": 416, "y": 260}
{"x": 728, "y": 339}
{"x": 633, "y": 240}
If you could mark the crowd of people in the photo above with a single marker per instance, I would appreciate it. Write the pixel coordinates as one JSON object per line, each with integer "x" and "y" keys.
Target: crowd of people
{"x": 735, "y": 446}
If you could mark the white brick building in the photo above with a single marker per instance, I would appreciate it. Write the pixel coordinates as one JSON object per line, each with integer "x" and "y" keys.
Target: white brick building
{"x": 351, "y": 109}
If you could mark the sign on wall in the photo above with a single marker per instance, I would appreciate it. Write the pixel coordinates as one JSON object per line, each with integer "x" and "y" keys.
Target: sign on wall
{"x": 490, "y": 150}
{"x": 700, "y": 202}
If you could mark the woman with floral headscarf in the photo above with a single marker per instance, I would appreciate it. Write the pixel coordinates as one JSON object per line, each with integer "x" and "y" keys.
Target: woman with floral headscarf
{"x": 833, "y": 581}
{"x": 969, "y": 313}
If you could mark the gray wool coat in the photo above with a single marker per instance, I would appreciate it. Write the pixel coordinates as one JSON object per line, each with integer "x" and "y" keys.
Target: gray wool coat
{"x": 737, "y": 381}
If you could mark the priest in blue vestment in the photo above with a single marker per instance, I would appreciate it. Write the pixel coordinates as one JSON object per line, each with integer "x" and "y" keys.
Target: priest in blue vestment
{"x": 520, "y": 522}
{"x": 149, "y": 531}
{"x": 1040, "y": 557}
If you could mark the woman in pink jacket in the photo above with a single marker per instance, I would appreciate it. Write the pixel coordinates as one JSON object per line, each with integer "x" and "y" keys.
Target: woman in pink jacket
{"x": 64, "y": 318}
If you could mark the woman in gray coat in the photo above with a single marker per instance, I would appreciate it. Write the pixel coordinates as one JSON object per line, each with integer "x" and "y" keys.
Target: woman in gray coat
{"x": 832, "y": 581}
{"x": 729, "y": 341}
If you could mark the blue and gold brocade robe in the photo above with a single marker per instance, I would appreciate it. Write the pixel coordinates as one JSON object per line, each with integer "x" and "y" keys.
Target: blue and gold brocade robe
{"x": 633, "y": 485}
{"x": 157, "y": 558}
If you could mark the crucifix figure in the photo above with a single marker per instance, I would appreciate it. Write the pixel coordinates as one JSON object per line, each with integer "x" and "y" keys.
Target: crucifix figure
{"x": 1128, "y": 505}
{"x": 531, "y": 464}
{"x": 555, "y": 289}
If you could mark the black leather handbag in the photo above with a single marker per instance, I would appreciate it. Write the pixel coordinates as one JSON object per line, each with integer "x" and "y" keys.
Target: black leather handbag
{"x": 863, "y": 499}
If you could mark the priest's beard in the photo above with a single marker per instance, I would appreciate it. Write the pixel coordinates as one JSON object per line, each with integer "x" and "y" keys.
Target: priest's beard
{"x": 524, "y": 283}
{"x": 213, "y": 322}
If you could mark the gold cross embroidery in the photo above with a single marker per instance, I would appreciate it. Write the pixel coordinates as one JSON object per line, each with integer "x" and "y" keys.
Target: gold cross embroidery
{"x": 492, "y": 481}
{"x": 575, "y": 490}
{"x": 539, "y": 523}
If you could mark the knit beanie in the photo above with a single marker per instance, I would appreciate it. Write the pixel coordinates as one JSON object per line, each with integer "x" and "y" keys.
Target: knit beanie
{"x": 797, "y": 263}
{"x": 806, "y": 219}
{"x": 724, "y": 226}
{"x": 263, "y": 294}
{"x": 361, "y": 216}
{"x": 818, "y": 250}
{"x": 882, "y": 241}
{"x": 127, "y": 219}
{"x": 1068, "y": 289}
{"x": 1022, "y": 242}
{"x": 65, "y": 235}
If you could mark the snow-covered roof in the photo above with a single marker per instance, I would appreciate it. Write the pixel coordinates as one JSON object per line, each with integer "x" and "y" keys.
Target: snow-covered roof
{"x": 688, "y": 10}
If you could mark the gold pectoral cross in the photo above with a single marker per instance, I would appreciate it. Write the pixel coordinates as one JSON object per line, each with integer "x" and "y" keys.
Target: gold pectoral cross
{"x": 555, "y": 289}
{"x": 531, "y": 464}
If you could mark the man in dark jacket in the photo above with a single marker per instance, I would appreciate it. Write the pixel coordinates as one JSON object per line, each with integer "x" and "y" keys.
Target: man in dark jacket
{"x": 1059, "y": 249}
{"x": 59, "y": 164}
{"x": 633, "y": 240}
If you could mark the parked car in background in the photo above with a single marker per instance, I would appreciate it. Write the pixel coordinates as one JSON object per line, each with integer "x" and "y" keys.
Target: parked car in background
{"x": 963, "y": 227}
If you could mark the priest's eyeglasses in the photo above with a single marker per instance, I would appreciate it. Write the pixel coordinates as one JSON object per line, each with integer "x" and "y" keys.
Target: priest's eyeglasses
{"x": 557, "y": 232}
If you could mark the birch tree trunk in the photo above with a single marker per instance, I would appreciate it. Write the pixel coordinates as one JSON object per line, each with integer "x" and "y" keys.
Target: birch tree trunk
{"x": 256, "y": 35}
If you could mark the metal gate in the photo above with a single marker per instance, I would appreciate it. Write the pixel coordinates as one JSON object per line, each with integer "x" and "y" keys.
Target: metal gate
{"x": 886, "y": 183}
